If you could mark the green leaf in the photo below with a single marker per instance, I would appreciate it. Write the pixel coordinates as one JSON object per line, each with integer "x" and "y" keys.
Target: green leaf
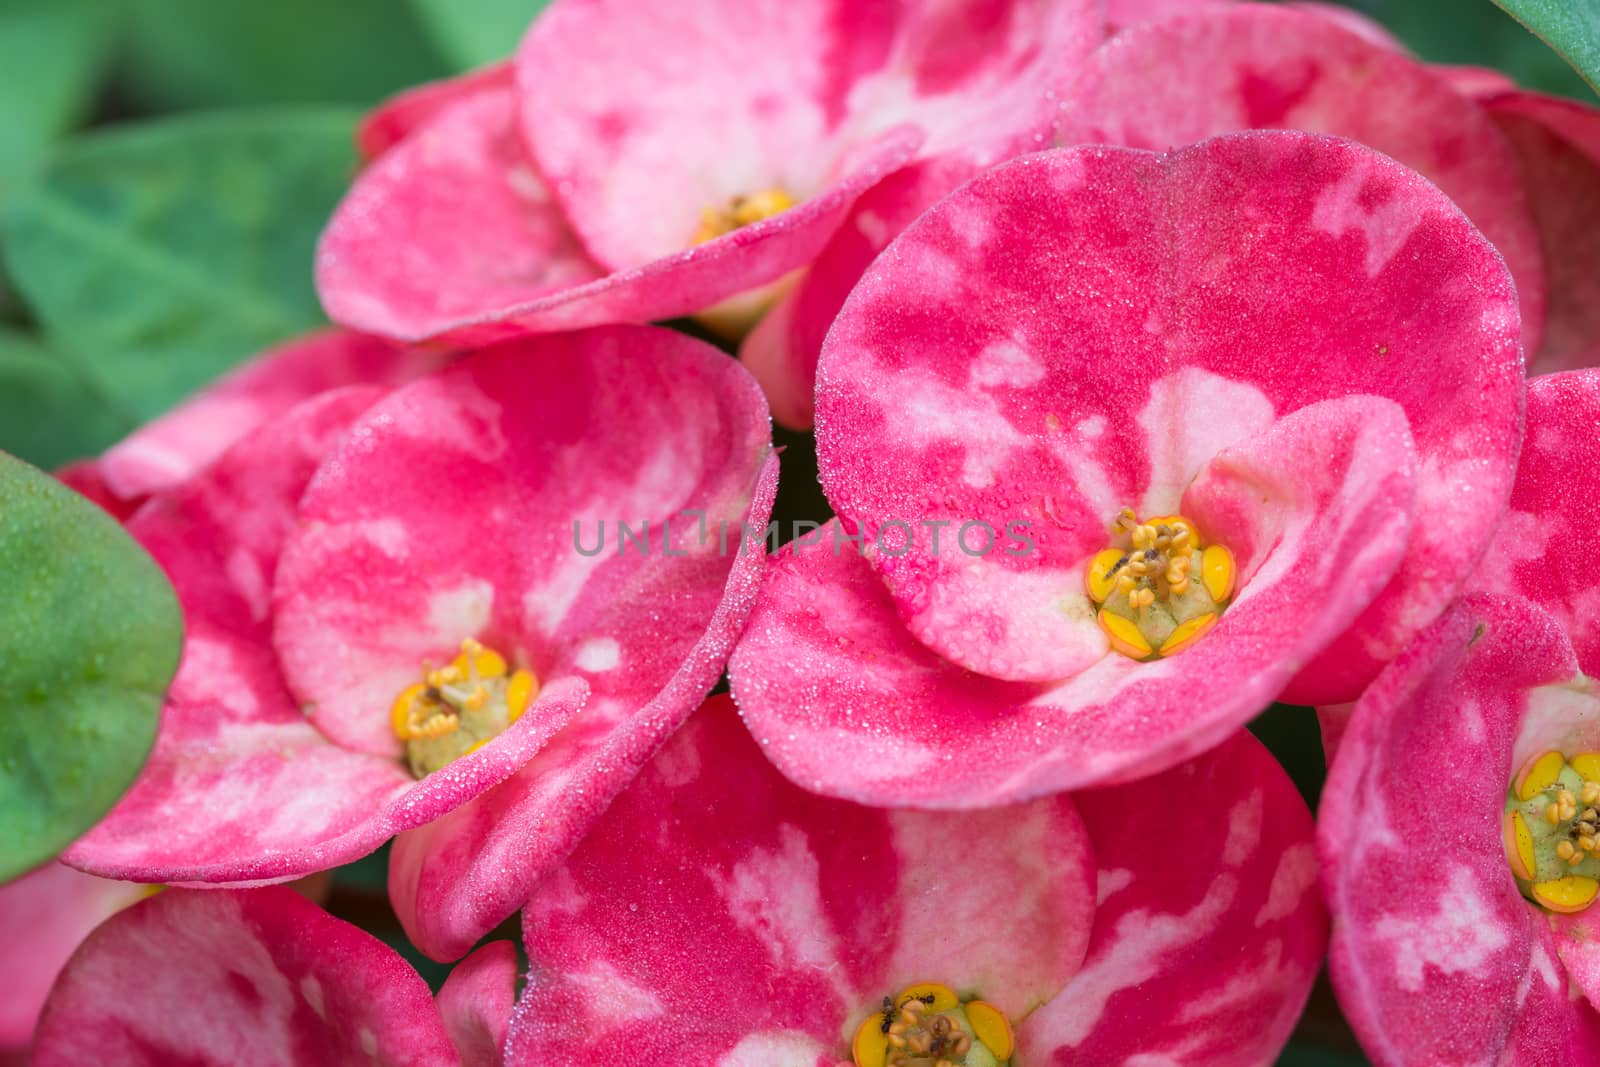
{"x": 1478, "y": 33}
{"x": 188, "y": 54}
{"x": 164, "y": 253}
{"x": 90, "y": 633}
{"x": 474, "y": 32}
{"x": 1571, "y": 27}
{"x": 52, "y": 55}
{"x": 50, "y": 413}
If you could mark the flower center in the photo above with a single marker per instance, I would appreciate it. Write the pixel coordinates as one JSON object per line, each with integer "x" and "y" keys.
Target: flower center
{"x": 1551, "y": 829}
{"x": 460, "y": 707}
{"x": 1159, "y": 587}
{"x": 928, "y": 1025}
{"x": 741, "y": 211}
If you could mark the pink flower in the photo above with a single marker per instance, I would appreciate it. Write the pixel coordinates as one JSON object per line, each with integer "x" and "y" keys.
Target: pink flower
{"x": 396, "y": 620}
{"x": 1453, "y": 833}
{"x": 642, "y": 163}
{"x": 719, "y": 914}
{"x": 1523, "y": 167}
{"x": 44, "y": 915}
{"x": 1290, "y": 345}
{"x": 264, "y": 977}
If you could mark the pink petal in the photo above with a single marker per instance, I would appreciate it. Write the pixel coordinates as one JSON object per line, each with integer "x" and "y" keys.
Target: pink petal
{"x": 476, "y": 1003}
{"x": 239, "y": 785}
{"x": 1544, "y": 547}
{"x": 458, "y": 877}
{"x": 759, "y": 923}
{"x": 1354, "y": 21}
{"x": 402, "y": 114}
{"x": 44, "y": 915}
{"x": 783, "y": 348}
{"x": 172, "y": 448}
{"x": 1558, "y": 142}
{"x": 848, "y": 703}
{"x": 1126, "y": 14}
{"x": 641, "y": 118}
{"x": 1476, "y": 82}
{"x": 453, "y": 232}
{"x": 1206, "y": 944}
{"x": 240, "y": 788}
{"x": 1100, "y": 357}
{"x": 1436, "y": 956}
{"x": 1260, "y": 66}
{"x": 450, "y": 225}
{"x": 1333, "y": 719}
{"x": 238, "y": 979}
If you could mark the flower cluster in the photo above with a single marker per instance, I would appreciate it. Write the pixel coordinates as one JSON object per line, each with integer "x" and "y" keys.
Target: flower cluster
{"x": 1225, "y": 311}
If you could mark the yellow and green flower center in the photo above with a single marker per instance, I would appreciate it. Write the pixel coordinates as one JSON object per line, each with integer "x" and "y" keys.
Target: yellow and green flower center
{"x": 741, "y": 211}
{"x": 1159, "y": 587}
{"x": 929, "y": 1025}
{"x": 1551, "y": 829}
{"x": 460, "y": 707}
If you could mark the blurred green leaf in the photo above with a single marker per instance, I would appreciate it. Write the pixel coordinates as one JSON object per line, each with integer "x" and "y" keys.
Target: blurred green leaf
{"x": 164, "y": 253}
{"x": 52, "y": 54}
{"x": 1477, "y": 33}
{"x": 473, "y": 32}
{"x": 49, "y": 412}
{"x": 1571, "y": 27}
{"x": 89, "y": 638}
{"x": 184, "y": 54}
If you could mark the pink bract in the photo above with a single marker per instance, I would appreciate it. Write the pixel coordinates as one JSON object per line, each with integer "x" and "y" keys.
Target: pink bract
{"x": 1558, "y": 145}
{"x": 169, "y": 450}
{"x": 403, "y": 114}
{"x": 574, "y": 198}
{"x": 260, "y": 977}
{"x": 1436, "y": 957}
{"x": 761, "y": 924}
{"x": 406, "y": 523}
{"x": 1257, "y": 66}
{"x": 44, "y": 915}
{"x": 1254, "y": 332}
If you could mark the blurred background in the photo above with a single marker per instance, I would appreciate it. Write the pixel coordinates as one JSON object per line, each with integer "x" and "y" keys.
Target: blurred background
{"x": 165, "y": 168}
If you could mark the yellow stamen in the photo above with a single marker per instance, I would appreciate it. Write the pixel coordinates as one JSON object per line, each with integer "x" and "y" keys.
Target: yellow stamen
{"x": 1587, "y": 764}
{"x": 1519, "y": 845}
{"x": 1538, "y": 774}
{"x": 520, "y": 692}
{"x": 1188, "y": 633}
{"x": 871, "y": 1045}
{"x": 1217, "y": 572}
{"x": 742, "y": 211}
{"x": 1097, "y": 579}
{"x": 1125, "y": 635}
{"x": 400, "y": 713}
{"x": 1567, "y": 895}
{"x": 990, "y": 1025}
{"x": 944, "y": 998}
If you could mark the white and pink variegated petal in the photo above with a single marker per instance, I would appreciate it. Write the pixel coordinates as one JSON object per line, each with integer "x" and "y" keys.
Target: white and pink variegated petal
{"x": 455, "y": 879}
{"x": 1126, "y": 14}
{"x": 44, "y": 916}
{"x": 169, "y": 450}
{"x": 239, "y": 786}
{"x": 1260, "y": 66}
{"x": 452, "y": 233}
{"x": 847, "y": 702}
{"x": 406, "y": 112}
{"x": 719, "y": 909}
{"x": 1558, "y": 143}
{"x": 642, "y": 119}
{"x": 1476, "y": 82}
{"x": 783, "y": 348}
{"x": 1354, "y": 21}
{"x": 221, "y": 978}
{"x": 1205, "y": 944}
{"x": 1104, "y": 353}
{"x": 448, "y": 227}
{"x": 1435, "y": 953}
{"x": 456, "y": 509}
{"x": 1552, "y": 1024}
{"x": 1543, "y": 548}
{"x": 476, "y": 1002}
